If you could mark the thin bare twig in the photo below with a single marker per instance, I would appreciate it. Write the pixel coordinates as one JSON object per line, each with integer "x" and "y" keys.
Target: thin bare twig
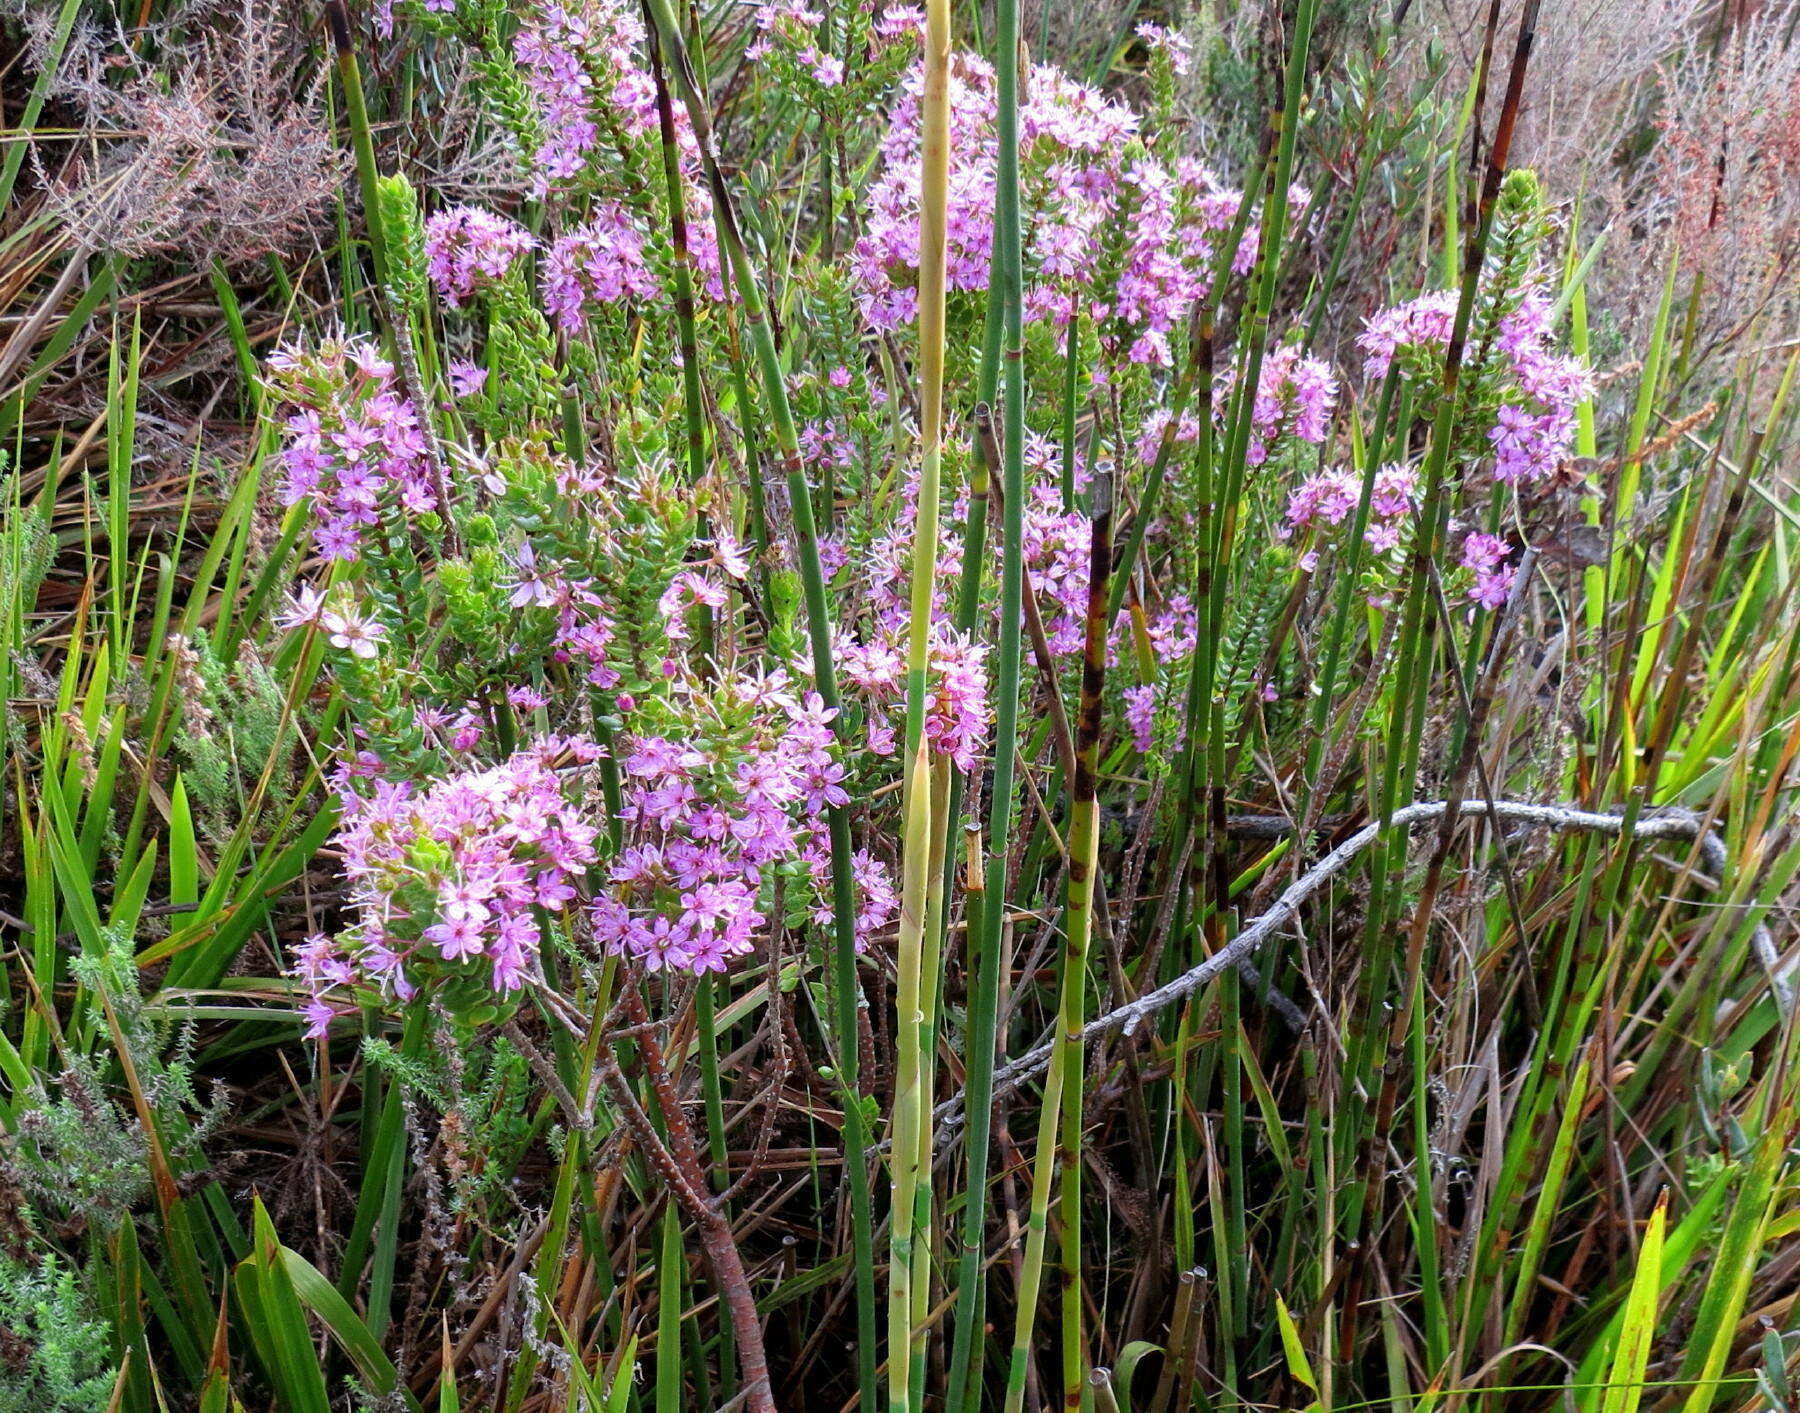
{"x": 1668, "y": 824}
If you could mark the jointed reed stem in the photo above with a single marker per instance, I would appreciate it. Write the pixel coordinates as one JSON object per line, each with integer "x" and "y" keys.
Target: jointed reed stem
{"x": 1078, "y": 927}
{"x": 1006, "y": 285}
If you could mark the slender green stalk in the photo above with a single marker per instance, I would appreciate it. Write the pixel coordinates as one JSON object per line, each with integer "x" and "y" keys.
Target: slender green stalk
{"x": 1031, "y": 1274}
{"x": 930, "y": 993}
{"x": 668, "y": 1312}
{"x": 1078, "y": 928}
{"x": 910, "y": 1103}
{"x": 921, "y": 903}
{"x": 1008, "y": 283}
{"x": 693, "y": 403}
{"x": 362, "y": 142}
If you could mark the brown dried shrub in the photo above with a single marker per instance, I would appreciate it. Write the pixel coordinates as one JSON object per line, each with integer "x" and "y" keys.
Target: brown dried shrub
{"x": 203, "y": 137}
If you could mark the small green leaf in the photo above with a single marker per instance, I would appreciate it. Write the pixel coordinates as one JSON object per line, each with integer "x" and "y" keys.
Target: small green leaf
{"x": 1297, "y": 1362}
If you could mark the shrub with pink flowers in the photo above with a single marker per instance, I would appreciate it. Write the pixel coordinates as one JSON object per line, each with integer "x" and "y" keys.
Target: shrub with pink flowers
{"x": 769, "y": 684}
{"x": 605, "y": 603}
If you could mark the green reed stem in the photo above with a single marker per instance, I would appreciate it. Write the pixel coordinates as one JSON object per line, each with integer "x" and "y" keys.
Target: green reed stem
{"x": 931, "y": 978}
{"x": 921, "y": 903}
{"x": 693, "y": 403}
{"x": 1031, "y": 1274}
{"x": 909, "y": 1103}
{"x": 362, "y": 142}
{"x": 1078, "y": 929}
{"x": 1008, "y": 282}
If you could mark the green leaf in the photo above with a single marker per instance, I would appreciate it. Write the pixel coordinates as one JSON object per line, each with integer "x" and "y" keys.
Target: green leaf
{"x": 184, "y": 848}
{"x": 1130, "y": 1357}
{"x": 1297, "y": 1362}
{"x": 1625, "y": 1385}
{"x": 275, "y": 1325}
{"x": 319, "y": 1296}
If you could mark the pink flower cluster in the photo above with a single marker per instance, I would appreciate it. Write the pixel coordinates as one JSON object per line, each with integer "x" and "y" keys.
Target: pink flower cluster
{"x": 1177, "y": 46}
{"x": 345, "y": 628}
{"x": 956, "y": 690}
{"x": 354, "y": 447}
{"x": 1537, "y": 389}
{"x": 716, "y": 809}
{"x": 1174, "y": 632}
{"x": 583, "y": 63}
{"x": 560, "y": 50}
{"x": 1175, "y": 218}
{"x": 1329, "y": 498}
{"x": 452, "y": 879}
{"x": 1485, "y": 557}
{"x": 1537, "y": 431}
{"x": 789, "y": 27}
{"x": 583, "y": 629}
{"x": 725, "y": 787}
{"x": 1140, "y": 715}
{"x": 1056, "y": 546}
{"x": 468, "y": 249}
{"x": 1422, "y": 323}
{"x": 823, "y": 442}
{"x": 1295, "y": 396}
{"x": 601, "y": 262}
{"x": 1078, "y": 184}
{"x": 787, "y": 20}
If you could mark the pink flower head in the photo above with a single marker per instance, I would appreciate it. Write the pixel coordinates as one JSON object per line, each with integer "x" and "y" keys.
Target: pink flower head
{"x": 468, "y": 249}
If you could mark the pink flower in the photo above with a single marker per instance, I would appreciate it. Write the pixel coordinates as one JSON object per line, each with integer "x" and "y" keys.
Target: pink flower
{"x": 597, "y": 264}
{"x": 359, "y": 636}
{"x": 1140, "y": 715}
{"x": 308, "y": 610}
{"x": 1485, "y": 557}
{"x": 468, "y": 249}
{"x": 487, "y": 845}
{"x": 466, "y": 379}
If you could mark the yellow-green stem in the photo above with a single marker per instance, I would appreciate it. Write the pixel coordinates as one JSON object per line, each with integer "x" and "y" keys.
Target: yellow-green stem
{"x": 915, "y": 997}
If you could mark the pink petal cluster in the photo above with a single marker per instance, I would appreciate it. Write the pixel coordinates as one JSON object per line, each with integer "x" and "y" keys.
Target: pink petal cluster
{"x": 1174, "y": 629}
{"x": 957, "y": 719}
{"x": 823, "y": 442}
{"x": 1178, "y": 47}
{"x": 1079, "y": 185}
{"x": 468, "y": 249}
{"x": 1295, "y": 396}
{"x": 1485, "y": 557}
{"x": 1140, "y": 715}
{"x": 1174, "y": 632}
{"x": 1056, "y": 544}
{"x": 715, "y": 810}
{"x": 1425, "y": 322}
{"x": 560, "y": 49}
{"x": 584, "y": 64}
{"x": 599, "y": 263}
{"x": 780, "y": 20}
{"x": 1329, "y": 498}
{"x": 452, "y": 879}
{"x": 1538, "y": 388}
{"x": 353, "y": 448}
{"x": 583, "y": 628}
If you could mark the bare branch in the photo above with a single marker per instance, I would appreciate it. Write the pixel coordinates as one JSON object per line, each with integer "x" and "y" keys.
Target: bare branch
{"x": 1668, "y": 824}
